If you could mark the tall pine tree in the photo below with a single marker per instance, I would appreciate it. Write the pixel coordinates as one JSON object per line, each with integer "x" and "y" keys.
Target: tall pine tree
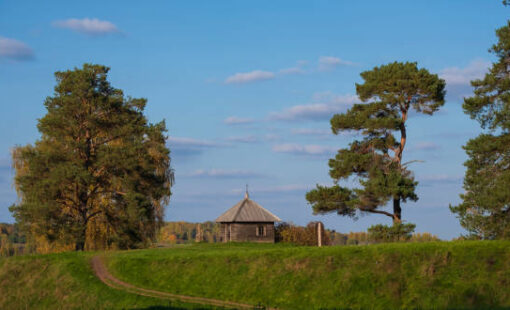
{"x": 389, "y": 93}
{"x": 485, "y": 207}
{"x": 100, "y": 174}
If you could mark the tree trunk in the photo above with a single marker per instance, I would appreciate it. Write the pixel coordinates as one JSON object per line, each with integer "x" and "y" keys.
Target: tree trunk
{"x": 80, "y": 240}
{"x": 397, "y": 211}
{"x": 80, "y": 245}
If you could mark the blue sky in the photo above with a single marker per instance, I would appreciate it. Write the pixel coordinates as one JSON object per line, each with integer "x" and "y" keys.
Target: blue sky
{"x": 247, "y": 89}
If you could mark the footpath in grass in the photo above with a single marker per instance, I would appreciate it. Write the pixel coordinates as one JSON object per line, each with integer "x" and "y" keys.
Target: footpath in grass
{"x": 438, "y": 275}
{"x": 66, "y": 281}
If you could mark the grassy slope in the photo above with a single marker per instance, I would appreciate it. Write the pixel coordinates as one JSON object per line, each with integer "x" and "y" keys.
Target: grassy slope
{"x": 440, "y": 275}
{"x": 65, "y": 281}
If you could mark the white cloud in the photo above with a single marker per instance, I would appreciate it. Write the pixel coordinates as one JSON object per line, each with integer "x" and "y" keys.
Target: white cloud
{"x": 286, "y": 188}
{"x": 310, "y": 132}
{"x": 234, "y": 120}
{"x": 297, "y": 69}
{"x": 476, "y": 69}
{"x": 190, "y": 146}
{"x": 425, "y": 146}
{"x": 271, "y": 137}
{"x": 275, "y": 189}
{"x": 327, "y": 63}
{"x": 458, "y": 79}
{"x": 15, "y": 50}
{"x": 297, "y": 149}
{"x": 248, "y": 77}
{"x": 292, "y": 70}
{"x": 243, "y": 139}
{"x": 328, "y": 105}
{"x": 236, "y": 193}
{"x": 227, "y": 174}
{"x": 308, "y": 111}
{"x": 323, "y": 133}
{"x": 430, "y": 180}
{"x": 92, "y": 26}
{"x": 191, "y": 142}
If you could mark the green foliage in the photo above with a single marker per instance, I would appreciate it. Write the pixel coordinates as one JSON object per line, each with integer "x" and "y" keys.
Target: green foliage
{"x": 66, "y": 281}
{"x": 395, "y": 233}
{"x": 363, "y": 238}
{"x": 100, "y": 175}
{"x": 485, "y": 207}
{"x": 11, "y": 240}
{"x": 433, "y": 275}
{"x": 424, "y": 237}
{"x": 389, "y": 93}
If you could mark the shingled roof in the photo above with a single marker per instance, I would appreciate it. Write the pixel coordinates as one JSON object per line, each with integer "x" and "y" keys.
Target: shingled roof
{"x": 247, "y": 210}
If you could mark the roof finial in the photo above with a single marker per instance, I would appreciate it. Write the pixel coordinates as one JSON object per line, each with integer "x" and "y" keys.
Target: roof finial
{"x": 246, "y": 195}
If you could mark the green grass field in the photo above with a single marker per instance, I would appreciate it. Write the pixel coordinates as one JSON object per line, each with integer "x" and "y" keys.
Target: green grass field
{"x": 66, "y": 281}
{"x": 438, "y": 275}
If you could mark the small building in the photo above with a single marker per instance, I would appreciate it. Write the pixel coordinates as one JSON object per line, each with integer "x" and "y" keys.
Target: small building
{"x": 247, "y": 221}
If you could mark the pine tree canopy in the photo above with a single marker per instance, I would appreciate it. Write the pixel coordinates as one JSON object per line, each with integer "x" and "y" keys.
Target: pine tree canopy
{"x": 485, "y": 207}
{"x": 388, "y": 93}
{"x": 100, "y": 174}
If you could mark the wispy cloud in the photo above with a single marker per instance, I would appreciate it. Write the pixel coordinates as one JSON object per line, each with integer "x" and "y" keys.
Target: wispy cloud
{"x": 327, "y": 63}
{"x": 325, "y": 106}
{"x": 474, "y": 70}
{"x": 310, "y": 132}
{"x": 225, "y": 174}
{"x": 243, "y": 139}
{"x": 191, "y": 142}
{"x": 260, "y": 75}
{"x": 425, "y": 146}
{"x": 190, "y": 146}
{"x": 292, "y": 70}
{"x": 234, "y": 120}
{"x": 430, "y": 180}
{"x": 298, "y": 149}
{"x": 257, "y": 191}
{"x": 297, "y": 69}
{"x": 15, "y": 50}
{"x": 249, "y": 77}
{"x": 90, "y": 26}
{"x": 289, "y": 188}
{"x": 271, "y": 137}
{"x": 321, "y": 133}
{"x": 458, "y": 79}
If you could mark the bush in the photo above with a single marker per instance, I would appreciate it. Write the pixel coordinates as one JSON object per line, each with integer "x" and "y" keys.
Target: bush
{"x": 395, "y": 233}
{"x": 299, "y": 235}
{"x": 424, "y": 237}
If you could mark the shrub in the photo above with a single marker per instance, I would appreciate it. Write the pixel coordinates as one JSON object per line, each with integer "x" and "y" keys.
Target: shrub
{"x": 396, "y": 232}
{"x": 424, "y": 237}
{"x": 299, "y": 235}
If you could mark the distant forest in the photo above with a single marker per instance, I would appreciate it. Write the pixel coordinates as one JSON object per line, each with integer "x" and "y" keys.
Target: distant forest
{"x": 185, "y": 232}
{"x": 14, "y": 242}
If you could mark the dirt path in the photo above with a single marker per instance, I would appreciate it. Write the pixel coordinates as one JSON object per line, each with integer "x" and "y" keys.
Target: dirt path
{"x": 105, "y": 276}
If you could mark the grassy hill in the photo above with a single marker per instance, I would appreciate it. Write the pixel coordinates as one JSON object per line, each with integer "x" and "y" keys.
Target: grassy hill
{"x": 438, "y": 275}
